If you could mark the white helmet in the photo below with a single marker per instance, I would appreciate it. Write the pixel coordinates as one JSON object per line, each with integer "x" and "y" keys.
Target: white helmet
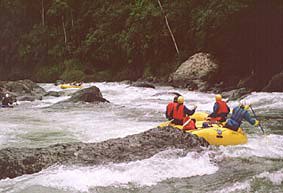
{"x": 7, "y": 95}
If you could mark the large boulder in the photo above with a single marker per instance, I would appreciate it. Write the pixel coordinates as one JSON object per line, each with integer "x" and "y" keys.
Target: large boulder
{"x": 195, "y": 73}
{"x": 91, "y": 94}
{"x": 23, "y": 89}
{"x": 275, "y": 84}
{"x": 18, "y": 161}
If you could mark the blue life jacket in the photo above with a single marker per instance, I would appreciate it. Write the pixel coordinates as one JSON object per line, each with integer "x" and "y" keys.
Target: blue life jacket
{"x": 238, "y": 115}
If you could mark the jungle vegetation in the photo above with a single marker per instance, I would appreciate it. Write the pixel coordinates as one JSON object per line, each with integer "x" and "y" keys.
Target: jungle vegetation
{"x": 108, "y": 40}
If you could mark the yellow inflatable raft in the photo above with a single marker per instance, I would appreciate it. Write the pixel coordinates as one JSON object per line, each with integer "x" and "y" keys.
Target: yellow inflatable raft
{"x": 65, "y": 86}
{"x": 216, "y": 134}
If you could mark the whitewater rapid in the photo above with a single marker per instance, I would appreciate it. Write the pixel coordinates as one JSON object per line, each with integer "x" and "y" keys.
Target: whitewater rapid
{"x": 133, "y": 110}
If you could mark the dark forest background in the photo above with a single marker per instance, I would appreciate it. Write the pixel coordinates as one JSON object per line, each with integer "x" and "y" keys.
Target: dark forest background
{"x": 110, "y": 40}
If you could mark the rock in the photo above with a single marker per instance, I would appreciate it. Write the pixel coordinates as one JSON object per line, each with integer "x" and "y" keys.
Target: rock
{"x": 196, "y": 72}
{"x": 126, "y": 82}
{"x": 28, "y": 98}
{"x": 143, "y": 84}
{"x": 275, "y": 84}
{"x": 54, "y": 93}
{"x": 25, "y": 86}
{"x": 18, "y": 161}
{"x": 57, "y": 82}
{"x": 22, "y": 88}
{"x": 91, "y": 94}
{"x": 236, "y": 93}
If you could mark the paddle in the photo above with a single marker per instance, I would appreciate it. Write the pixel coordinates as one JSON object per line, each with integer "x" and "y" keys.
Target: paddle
{"x": 259, "y": 125}
{"x": 187, "y": 122}
{"x": 169, "y": 122}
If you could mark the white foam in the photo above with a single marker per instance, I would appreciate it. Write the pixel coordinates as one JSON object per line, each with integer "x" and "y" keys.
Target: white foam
{"x": 165, "y": 165}
{"x": 48, "y": 101}
{"x": 238, "y": 186}
{"x": 262, "y": 100}
{"x": 151, "y": 98}
{"x": 270, "y": 146}
{"x": 275, "y": 177}
{"x": 8, "y": 133}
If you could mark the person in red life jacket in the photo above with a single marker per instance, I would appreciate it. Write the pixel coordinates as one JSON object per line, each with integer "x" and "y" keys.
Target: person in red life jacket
{"x": 169, "y": 108}
{"x": 189, "y": 124}
{"x": 220, "y": 110}
{"x": 180, "y": 111}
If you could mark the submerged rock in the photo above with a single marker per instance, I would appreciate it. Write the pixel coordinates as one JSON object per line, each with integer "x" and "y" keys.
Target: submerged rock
{"x": 18, "y": 161}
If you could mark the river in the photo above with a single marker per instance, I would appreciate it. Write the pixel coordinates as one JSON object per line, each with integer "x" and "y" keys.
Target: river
{"x": 254, "y": 167}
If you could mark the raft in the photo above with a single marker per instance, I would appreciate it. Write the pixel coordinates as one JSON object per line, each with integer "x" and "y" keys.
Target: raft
{"x": 216, "y": 134}
{"x": 65, "y": 86}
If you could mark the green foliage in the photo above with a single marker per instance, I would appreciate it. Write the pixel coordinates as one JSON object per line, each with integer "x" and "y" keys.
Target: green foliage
{"x": 117, "y": 40}
{"x": 48, "y": 73}
{"x": 72, "y": 75}
{"x": 72, "y": 64}
{"x": 209, "y": 17}
{"x": 72, "y": 70}
{"x": 105, "y": 75}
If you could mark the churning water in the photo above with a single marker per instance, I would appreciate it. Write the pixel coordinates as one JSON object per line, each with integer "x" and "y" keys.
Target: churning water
{"x": 253, "y": 167}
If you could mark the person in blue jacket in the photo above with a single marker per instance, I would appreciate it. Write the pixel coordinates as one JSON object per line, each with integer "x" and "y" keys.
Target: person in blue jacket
{"x": 239, "y": 114}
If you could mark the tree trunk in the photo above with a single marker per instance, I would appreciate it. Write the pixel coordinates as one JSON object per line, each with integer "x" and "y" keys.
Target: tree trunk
{"x": 64, "y": 30}
{"x": 72, "y": 18}
{"x": 168, "y": 26}
{"x": 42, "y": 13}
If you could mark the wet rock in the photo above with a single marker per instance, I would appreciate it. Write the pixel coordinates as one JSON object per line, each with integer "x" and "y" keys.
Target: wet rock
{"x": 236, "y": 93}
{"x": 275, "y": 84}
{"x": 57, "y": 82}
{"x": 22, "y": 88}
{"x": 196, "y": 72}
{"x": 18, "y": 161}
{"x": 126, "y": 82}
{"x": 54, "y": 93}
{"x": 29, "y": 98}
{"x": 143, "y": 84}
{"x": 91, "y": 94}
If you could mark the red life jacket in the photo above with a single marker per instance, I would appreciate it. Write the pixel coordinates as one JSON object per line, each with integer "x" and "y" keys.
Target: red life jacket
{"x": 222, "y": 107}
{"x": 169, "y": 109}
{"x": 190, "y": 126}
{"x": 178, "y": 111}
